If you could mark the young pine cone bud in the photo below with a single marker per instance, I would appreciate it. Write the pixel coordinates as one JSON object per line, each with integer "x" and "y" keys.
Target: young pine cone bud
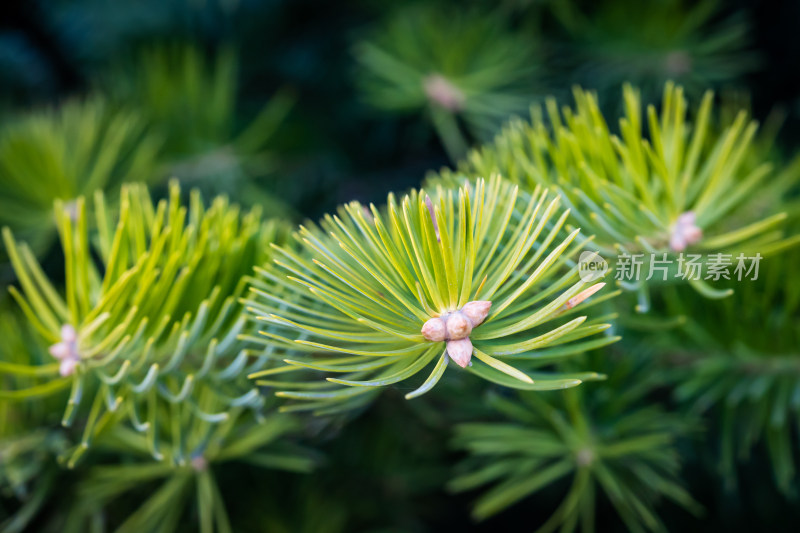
{"x": 66, "y": 351}
{"x": 434, "y": 330}
{"x": 476, "y": 311}
{"x": 458, "y": 326}
{"x": 685, "y": 232}
{"x": 460, "y": 351}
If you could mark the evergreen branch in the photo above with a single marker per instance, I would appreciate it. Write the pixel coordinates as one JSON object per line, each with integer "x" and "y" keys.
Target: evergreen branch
{"x": 367, "y": 285}
{"x": 146, "y": 328}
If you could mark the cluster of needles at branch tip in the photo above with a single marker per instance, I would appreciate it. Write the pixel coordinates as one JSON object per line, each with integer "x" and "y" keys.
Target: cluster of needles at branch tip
{"x": 474, "y": 272}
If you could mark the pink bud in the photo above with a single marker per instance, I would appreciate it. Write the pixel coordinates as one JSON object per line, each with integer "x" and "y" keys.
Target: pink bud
{"x": 67, "y": 367}
{"x": 60, "y": 350}
{"x": 199, "y": 463}
{"x": 693, "y": 234}
{"x": 68, "y": 333}
{"x": 66, "y": 351}
{"x": 687, "y": 219}
{"x": 460, "y": 351}
{"x": 476, "y": 311}
{"x": 685, "y": 232}
{"x": 458, "y": 327}
{"x": 434, "y": 330}
{"x": 677, "y": 243}
{"x": 443, "y": 93}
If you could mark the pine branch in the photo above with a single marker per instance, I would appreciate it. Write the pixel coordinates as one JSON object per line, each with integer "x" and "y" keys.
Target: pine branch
{"x": 190, "y": 100}
{"x": 684, "y": 187}
{"x": 148, "y": 324}
{"x": 739, "y": 364}
{"x": 374, "y": 297}
{"x": 63, "y": 153}
{"x": 449, "y": 64}
{"x": 601, "y": 441}
{"x": 696, "y": 44}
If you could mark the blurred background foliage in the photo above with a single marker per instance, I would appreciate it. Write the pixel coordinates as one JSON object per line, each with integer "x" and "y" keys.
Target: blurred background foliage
{"x": 299, "y": 106}
{"x": 340, "y": 142}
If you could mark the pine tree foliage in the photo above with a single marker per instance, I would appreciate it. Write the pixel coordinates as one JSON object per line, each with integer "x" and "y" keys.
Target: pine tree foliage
{"x": 739, "y": 360}
{"x": 190, "y": 98}
{"x": 355, "y": 297}
{"x": 410, "y": 65}
{"x": 177, "y": 494}
{"x": 30, "y": 437}
{"x": 692, "y": 43}
{"x": 680, "y": 187}
{"x": 605, "y": 438}
{"x": 63, "y": 153}
{"x": 148, "y": 321}
{"x": 158, "y": 334}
